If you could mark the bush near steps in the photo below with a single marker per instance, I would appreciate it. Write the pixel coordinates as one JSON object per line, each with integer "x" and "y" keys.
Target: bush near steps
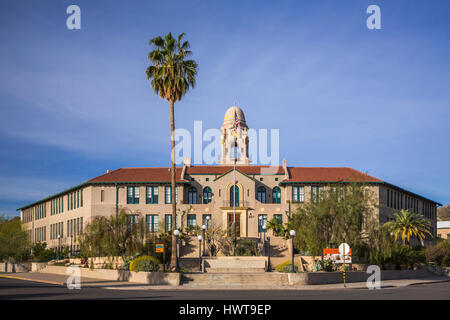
{"x": 145, "y": 264}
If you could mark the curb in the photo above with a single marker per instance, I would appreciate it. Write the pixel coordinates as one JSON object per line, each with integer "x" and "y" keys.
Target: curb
{"x": 33, "y": 280}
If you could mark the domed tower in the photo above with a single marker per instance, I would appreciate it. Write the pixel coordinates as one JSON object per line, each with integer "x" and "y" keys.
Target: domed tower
{"x": 234, "y": 138}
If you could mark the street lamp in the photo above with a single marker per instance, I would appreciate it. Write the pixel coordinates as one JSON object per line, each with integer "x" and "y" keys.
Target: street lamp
{"x": 199, "y": 253}
{"x": 71, "y": 240}
{"x": 59, "y": 246}
{"x": 292, "y": 233}
{"x": 264, "y": 227}
{"x": 268, "y": 255}
{"x": 176, "y": 233}
{"x": 203, "y": 233}
{"x": 207, "y": 221}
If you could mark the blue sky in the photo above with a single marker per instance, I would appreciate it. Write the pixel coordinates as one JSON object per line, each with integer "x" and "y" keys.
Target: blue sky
{"x": 75, "y": 103}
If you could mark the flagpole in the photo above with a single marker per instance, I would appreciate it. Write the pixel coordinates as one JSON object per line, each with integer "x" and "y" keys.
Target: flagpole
{"x": 236, "y": 122}
{"x": 234, "y": 201}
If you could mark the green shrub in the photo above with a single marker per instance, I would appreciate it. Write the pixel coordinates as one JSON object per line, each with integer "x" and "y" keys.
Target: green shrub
{"x": 145, "y": 264}
{"x": 245, "y": 247}
{"x": 126, "y": 263}
{"x": 439, "y": 253}
{"x": 286, "y": 266}
{"x": 329, "y": 265}
{"x": 42, "y": 254}
{"x": 402, "y": 254}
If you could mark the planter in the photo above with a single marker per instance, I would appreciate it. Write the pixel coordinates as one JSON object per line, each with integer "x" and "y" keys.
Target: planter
{"x": 153, "y": 278}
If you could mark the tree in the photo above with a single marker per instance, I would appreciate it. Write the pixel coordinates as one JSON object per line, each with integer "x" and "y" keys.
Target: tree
{"x": 113, "y": 236}
{"x": 407, "y": 225}
{"x": 443, "y": 213}
{"x": 171, "y": 77}
{"x": 278, "y": 228}
{"x": 14, "y": 242}
{"x": 340, "y": 214}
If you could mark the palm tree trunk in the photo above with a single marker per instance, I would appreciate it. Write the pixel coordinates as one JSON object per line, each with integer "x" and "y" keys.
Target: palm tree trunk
{"x": 173, "y": 175}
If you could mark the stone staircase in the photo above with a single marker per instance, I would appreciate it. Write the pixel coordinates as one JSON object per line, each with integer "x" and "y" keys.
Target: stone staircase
{"x": 243, "y": 265}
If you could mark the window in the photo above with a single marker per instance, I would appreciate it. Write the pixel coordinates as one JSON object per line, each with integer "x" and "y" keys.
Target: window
{"x": 102, "y": 195}
{"x": 133, "y": 219}
{"x": 207, "y": 195}
{"x": 168, "y": 194}
{"x": 234, "y": 196}
{"x": 316, "y": 193}
{"x": 262, "y": 220}
{"x": 152, "y": 222}
{"x": 151, "y": 195}
{"x": 132, "y": 195}
{"x": 276, "y": 195}
{"x": 191, "y": 220}
{"x": 262, "y": 194}
{"x": 192, "y": 195}
{"x": 298, "y": 193}
{"x": 278, "y": 217}
{"x": 168, "y": 222}
{"x": 261, "y": 179}
{"x": 390, "y": 199}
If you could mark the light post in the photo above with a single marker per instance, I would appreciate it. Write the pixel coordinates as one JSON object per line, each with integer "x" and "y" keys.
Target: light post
{"x": 199, "y": 253}
{"x": 71, "y": 240}
{"x": 176, "y": 233}
{"x": 59, "y": 246}
{"x": 268, "y": 255}
{"x": 208, "y": 223}
{"x": 292, "y": 233}
{"x": 264, "y": 237}
{"x": 203, "y": 233}
{"x": 259, "y": 225}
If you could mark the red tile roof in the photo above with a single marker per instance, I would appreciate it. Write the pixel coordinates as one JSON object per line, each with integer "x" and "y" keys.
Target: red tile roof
{"x": 318, "y": 174}
{"x": 296, "y": 174}
{"x": 224, "y": 169}
{"x": 139, "y": 175}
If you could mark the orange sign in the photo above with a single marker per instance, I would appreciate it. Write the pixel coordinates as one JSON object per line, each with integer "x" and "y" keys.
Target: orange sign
{"x": 333, "y": 251}
{"x": 160, "y": 247}
{"x": 335, "y": 255}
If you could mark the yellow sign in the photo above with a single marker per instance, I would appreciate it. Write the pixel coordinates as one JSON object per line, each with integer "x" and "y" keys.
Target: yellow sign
{"x": 160, "y": 247}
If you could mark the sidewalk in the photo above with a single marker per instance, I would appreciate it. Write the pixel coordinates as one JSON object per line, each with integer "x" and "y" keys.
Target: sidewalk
{"x": 57, "y": 279}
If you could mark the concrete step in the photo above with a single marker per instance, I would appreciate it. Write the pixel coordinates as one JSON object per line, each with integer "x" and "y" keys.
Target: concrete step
{"x": 230, "y": 279}
{"x": 235, "y": 270}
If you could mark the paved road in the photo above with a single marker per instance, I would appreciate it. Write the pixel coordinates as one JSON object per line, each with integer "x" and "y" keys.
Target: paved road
{"x": 11, "y": 289}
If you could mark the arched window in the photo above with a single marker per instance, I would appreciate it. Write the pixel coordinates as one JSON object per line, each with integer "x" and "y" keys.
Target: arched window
{"x": 276, "y": 195}
{"x": 262, "y": 194}
{"x": 207, "y": 195}
{"x": 192, "y": 195}
{"x": 234, "y": 196}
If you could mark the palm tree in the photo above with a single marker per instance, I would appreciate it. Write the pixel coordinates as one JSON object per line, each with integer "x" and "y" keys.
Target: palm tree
{"x": 407, "y": 225}
{"x": 171, "y": 77}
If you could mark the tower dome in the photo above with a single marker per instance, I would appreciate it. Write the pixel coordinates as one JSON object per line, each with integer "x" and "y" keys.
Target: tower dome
{"x": 228, "y": 120}
{"x": 234, "y": 140}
